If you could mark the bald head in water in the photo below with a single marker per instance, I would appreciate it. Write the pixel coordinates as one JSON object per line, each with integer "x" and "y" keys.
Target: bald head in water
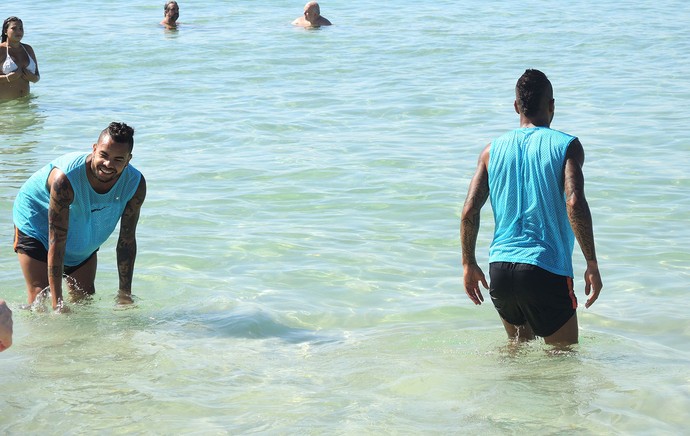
{"x": 311, "y": 17}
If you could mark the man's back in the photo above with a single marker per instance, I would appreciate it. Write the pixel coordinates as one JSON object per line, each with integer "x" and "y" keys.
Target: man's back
{"x": 526, "y": 191}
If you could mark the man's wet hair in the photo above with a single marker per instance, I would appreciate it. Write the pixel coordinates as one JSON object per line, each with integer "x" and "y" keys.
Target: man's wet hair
{"x": 119, "y": 132}
{"x": 531, "y": 91}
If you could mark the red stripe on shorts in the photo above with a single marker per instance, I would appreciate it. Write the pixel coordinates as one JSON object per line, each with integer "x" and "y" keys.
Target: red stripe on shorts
{"x": 571, "y": 292}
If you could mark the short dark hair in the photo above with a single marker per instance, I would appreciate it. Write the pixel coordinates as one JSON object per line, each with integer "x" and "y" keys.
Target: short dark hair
{"x": 6, "y": 24}
{"x": 531, "y": 91}
{"x": 119, "y": 132}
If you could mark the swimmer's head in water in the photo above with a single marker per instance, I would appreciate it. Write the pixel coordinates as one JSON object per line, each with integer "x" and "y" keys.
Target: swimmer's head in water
{"x": 312, "y": 11}
{"x": 172, "y": 10}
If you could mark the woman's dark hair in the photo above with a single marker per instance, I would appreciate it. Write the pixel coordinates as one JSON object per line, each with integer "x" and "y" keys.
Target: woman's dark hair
{"x": 6, "y": 24}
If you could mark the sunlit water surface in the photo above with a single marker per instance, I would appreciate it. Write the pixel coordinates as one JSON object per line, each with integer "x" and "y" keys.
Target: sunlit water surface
{"x": 299, "y": 264}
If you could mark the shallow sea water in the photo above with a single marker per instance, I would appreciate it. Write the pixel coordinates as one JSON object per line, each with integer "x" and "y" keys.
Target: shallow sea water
{"x": 299, "y": 264}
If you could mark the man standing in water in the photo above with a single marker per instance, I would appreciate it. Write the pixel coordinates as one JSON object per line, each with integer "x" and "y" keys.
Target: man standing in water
{"x": 171, "y": 12}
{"x": 533, "y": 176}
{"x": 312, "y": 17}
{"x": 67, "y": 209}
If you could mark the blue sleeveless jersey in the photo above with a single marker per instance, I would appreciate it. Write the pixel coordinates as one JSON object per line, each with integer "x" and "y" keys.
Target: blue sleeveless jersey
{"x": 92, "y": 216}
{"x": 526, "y": 190}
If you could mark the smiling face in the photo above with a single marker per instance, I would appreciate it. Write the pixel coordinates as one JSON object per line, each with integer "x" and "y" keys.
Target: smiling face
{"x": 109, "y": 159}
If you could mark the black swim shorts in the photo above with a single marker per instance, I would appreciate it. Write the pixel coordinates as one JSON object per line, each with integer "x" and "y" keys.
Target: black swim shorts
{"x": 35, "y": 249}
{"x": 525, "y": 293}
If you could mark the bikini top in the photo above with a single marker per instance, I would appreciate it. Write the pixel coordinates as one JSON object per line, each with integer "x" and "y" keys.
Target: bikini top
{"x": 10, "y": 65}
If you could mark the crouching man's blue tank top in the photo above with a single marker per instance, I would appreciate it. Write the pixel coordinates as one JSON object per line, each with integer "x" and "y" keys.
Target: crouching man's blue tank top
{"x": 526, "y": 190}
{"x": 92, "y": 216}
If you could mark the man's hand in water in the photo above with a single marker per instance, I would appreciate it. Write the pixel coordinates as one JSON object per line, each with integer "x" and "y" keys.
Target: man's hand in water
{"x": 61, "y": 307}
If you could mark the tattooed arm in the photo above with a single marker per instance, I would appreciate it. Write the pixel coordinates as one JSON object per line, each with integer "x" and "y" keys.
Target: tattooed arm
{"x": 127, "y": 242}
{"x": 469, "y": 229}
{"x": 580, "y": 217}
{"x": 61, "y": 196}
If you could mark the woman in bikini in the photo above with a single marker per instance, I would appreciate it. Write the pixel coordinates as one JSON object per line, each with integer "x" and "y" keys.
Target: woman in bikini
{"x": 18, "y": 66}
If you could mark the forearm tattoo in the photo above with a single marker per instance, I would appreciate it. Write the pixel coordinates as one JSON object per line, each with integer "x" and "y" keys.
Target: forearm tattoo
{"x": 58, "y": 225}
{"x": 126, "y": 255}
{"x": 581, "y": 222}
{"x": 58, "y": 212}
{"x": 579, "y": 214}
{"x": 127, "y": 243}
{"x": 471, "y": 216}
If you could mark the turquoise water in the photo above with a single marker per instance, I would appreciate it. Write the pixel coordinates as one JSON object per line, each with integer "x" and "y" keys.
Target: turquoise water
{"x": 299, "y": 264}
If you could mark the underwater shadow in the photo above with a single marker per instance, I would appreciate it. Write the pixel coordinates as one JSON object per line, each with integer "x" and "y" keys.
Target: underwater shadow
{"x": 250, "y": 324}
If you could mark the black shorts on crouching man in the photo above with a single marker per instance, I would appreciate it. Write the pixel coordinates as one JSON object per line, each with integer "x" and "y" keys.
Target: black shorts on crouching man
{"x": 35, "y": 249}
